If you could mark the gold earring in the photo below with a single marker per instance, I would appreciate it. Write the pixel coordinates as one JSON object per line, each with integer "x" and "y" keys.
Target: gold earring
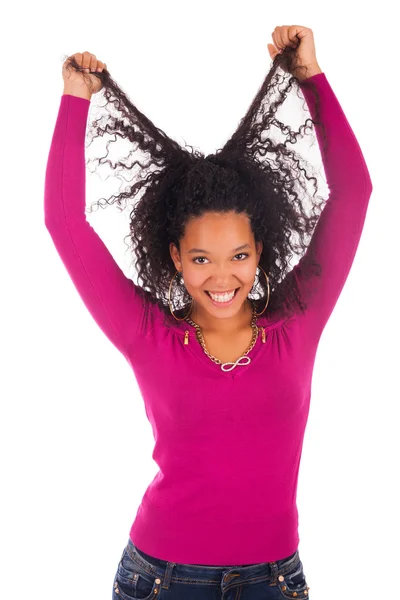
{"x": 268, "y": 293}
{"x": 169, "y": 301}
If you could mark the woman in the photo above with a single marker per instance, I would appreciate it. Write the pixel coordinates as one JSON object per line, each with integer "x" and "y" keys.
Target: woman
{"x": 225, "y": 378}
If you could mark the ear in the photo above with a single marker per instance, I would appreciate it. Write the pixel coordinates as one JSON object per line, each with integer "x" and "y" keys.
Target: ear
{"x": 259, "y": 248}
{"x": 174, "y": 253}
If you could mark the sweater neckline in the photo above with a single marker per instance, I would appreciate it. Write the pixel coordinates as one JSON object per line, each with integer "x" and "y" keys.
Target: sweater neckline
{"x": 193, "y": 346}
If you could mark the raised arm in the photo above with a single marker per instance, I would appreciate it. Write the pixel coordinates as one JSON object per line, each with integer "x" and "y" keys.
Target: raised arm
{"x": 113, "y": 300}
{"x": 338, "y": 231}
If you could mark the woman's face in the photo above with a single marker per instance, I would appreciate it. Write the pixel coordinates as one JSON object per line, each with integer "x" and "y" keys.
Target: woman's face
{"x": 218, "y": 254}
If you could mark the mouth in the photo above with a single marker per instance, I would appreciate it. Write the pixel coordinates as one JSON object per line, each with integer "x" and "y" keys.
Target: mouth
{"x": 219, "y": 302}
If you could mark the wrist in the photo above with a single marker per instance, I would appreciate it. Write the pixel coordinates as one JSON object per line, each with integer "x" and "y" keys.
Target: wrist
{"x": 312, "y": 70}
{"x": 79, "y": 91}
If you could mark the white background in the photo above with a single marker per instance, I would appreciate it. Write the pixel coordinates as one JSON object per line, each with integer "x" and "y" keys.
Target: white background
{"x": 75, "y": 442}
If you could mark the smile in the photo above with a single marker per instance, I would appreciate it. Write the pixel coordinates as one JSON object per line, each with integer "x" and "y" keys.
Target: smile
{"x": 224, "y": 299}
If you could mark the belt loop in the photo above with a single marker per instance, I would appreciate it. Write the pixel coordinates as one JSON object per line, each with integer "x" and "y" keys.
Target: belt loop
{"x": 274, "y": 573}
{"x": 167, "y": 575}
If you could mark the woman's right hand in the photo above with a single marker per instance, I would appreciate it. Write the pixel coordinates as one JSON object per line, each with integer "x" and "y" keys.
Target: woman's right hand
{"x": 82, "y": 79}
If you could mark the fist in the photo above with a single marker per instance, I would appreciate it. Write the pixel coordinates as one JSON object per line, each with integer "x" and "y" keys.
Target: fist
{"x": 83, "y": 69}
{"x": 300, "y": 41}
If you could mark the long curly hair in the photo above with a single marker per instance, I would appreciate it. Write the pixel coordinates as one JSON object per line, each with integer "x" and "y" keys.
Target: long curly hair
{"x": 251, "y": 174}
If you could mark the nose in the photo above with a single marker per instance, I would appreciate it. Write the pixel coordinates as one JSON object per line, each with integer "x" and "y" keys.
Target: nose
{"x": 222, "y": 280}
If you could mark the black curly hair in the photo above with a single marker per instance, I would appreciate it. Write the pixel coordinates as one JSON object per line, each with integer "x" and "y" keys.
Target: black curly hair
{"x": 251, "y": 174}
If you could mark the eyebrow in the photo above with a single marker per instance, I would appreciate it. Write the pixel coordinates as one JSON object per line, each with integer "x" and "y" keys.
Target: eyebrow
{"x": 193, "y": 250}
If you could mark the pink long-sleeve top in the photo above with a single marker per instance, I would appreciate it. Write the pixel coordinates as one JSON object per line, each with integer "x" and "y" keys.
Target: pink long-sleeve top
{"x": 228, "y": 444}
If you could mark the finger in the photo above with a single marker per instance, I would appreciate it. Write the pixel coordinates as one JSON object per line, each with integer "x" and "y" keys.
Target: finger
{"x": 86, "y": 60}
{"x": 93, "y": 62}
{"x": 100, "y": 66}
{"x": 278, "y": 36}
{"x": 78, "y": 58}
{"x": 272, "y": 51}
{"x": 285, "y": 36}
{"x": 275, "y": 41}
{"x": 292, "y": 33}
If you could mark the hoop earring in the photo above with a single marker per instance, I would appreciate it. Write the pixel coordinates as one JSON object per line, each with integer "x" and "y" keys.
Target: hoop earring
{"x": 268, "y": 293}
{"x": 169, "y": 301}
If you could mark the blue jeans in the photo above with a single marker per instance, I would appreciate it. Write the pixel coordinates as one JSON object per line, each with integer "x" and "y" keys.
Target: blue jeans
{"x": 142, "y": 577}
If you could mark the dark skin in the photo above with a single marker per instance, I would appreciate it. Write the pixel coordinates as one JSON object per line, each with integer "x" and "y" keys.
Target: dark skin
{"x": 220, "y": 268}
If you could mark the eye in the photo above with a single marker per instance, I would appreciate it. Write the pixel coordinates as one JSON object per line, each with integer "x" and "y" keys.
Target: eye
{"x": 242, "y": 254}
{"x": 202, "y": 257}
{"x": 198, "y": 258}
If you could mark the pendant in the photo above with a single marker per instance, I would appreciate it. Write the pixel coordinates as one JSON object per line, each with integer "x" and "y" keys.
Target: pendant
{"x": 237, "y": 362}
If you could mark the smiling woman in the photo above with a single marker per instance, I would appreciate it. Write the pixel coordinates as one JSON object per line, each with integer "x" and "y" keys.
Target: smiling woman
{"x": 228, "y": 407}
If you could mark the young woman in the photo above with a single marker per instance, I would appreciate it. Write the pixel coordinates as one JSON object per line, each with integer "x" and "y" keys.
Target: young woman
{"x": 225, "y": 376}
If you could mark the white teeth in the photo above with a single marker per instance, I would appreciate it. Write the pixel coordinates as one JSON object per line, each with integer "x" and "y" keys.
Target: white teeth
{"x": 222, "y": 297}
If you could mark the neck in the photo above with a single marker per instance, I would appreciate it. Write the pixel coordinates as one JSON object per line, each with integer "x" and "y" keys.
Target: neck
{"x": 227, "y": 326}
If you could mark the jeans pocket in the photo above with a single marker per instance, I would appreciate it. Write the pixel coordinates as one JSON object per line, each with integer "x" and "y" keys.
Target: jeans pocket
{"x": 133, "y": 582}
{"x": 293, "y": 584}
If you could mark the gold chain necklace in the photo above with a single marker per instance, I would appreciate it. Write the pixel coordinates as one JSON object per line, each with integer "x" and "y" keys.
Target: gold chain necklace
{"x": 242, "y": 360}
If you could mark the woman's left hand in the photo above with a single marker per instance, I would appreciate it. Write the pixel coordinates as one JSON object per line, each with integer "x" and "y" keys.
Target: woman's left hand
{"x": 302, "y": 40}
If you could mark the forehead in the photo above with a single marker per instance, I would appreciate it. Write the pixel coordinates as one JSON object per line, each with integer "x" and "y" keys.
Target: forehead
{"x": 215, "y": 228}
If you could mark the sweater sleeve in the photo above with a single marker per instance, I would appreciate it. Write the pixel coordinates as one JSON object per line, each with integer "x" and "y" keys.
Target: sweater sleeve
{"x": 336, "y": 236}
{"x": 112, "y": 298}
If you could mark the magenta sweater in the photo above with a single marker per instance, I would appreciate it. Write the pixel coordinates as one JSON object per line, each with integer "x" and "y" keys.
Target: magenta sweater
{"x": 228, "y": 444}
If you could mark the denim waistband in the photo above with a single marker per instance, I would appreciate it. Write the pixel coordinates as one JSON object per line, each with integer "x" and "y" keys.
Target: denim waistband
{"x": 263, "y": 571}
